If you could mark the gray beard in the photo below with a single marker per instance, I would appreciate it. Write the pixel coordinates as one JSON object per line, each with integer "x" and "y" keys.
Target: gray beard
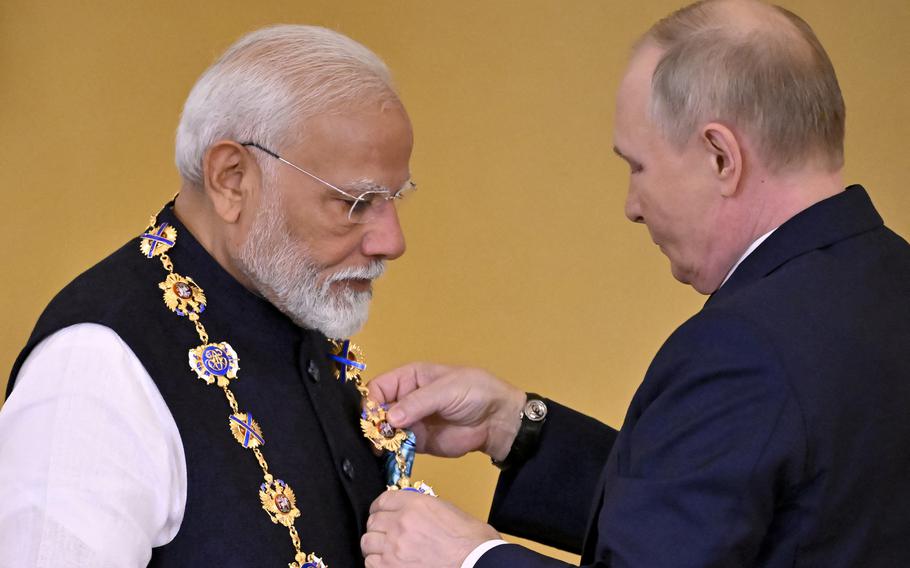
{"x": 285, "y": 274}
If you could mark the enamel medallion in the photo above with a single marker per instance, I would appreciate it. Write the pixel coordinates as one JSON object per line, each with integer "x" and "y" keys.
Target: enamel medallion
{"x": 279, "y": 502}
{"x": 246, "y": 430}
{"x": 157, "y": 240}
{"x": 376, "y": 428}
{"x": 182, "y": 296}
{"x": 215, "y": 362}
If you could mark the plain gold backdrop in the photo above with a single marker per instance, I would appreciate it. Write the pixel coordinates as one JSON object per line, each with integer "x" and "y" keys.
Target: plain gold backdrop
{"x": 520, "y": 259}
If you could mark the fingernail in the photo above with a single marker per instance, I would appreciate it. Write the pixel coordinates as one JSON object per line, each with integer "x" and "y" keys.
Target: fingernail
{"x": 396, "y": 415}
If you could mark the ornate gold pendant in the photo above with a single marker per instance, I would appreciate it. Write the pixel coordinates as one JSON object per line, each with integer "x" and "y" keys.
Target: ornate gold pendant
{"x": 307, "y": 561}
{"x": 279, "y": 502}
{"x": 349, "y": 364}
{"x": 157, "y": 240}
{"x": 215, "y": 362}
{"x": 246, "y": 430}
{"x": 377, "y": 429}
{"x": 182, "y": 296}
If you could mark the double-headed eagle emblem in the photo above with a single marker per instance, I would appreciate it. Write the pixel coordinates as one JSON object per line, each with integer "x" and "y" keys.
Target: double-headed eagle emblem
{"x": 182, "y": 295}
{"x": 279, "y": 502}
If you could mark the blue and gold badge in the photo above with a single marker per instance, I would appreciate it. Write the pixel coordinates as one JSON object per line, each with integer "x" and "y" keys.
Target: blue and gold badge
{"x": 182, "y": 296}
{"x": 157, "y": 240}
{"x": 215, "y": 362}
{"x": 279, "y": 502}
{"x": 417, "y": 487}
{"x": 349, "y": 365}
{"x": 246, "y": 430}
{"x": 307, "y": 561}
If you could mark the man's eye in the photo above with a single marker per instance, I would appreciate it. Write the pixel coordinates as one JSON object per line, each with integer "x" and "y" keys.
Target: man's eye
{"x": 359, "y": 206}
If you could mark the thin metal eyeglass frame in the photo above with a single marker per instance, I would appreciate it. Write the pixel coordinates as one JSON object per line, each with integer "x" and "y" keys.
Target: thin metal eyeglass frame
{"x": 357, "y": 199}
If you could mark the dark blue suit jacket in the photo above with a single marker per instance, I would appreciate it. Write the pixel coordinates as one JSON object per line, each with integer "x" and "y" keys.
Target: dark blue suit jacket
{"x": 772, "y": 428}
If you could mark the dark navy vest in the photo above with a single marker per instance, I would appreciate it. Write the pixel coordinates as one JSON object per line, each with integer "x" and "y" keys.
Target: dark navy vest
{"x": 309, "y": 420}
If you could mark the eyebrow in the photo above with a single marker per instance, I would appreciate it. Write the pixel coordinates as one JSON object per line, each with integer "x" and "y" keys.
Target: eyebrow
{"x": 631, "y": 161}
{"x": 365, "y": 184}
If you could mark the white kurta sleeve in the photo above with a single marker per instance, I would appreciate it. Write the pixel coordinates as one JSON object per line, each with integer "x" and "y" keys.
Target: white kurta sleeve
{"x": 92, "y": 469}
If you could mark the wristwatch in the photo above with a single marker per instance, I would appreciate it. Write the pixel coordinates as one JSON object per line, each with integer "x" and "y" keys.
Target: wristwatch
{"x": 533, "y": 416}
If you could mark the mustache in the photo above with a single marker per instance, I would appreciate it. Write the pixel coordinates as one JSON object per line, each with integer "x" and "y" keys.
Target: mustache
{"x": 371, "y": 271}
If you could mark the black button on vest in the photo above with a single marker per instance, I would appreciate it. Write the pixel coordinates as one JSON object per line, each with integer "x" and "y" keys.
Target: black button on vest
{"x": 348, "y": 468}
{"x": 313, "y": 371}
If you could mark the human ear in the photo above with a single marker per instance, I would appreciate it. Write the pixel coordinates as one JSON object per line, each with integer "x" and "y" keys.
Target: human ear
{"x": 230, "y": 177}
{"x": 724, "y": 155}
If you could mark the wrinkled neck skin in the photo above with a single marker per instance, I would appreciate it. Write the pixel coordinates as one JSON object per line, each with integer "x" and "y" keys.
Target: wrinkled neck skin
{"x": 764, "y": 202}
{"x": 218, "y": 238}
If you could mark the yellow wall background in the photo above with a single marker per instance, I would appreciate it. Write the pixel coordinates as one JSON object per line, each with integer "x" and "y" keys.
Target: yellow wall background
{"x": 520, "y": 259}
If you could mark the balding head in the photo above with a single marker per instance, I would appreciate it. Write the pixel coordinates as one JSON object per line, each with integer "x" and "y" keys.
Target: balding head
{"x": 757, "y": 68}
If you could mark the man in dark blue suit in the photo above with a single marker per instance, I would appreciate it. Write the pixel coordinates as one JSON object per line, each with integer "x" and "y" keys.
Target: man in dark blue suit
{"x": 772, "y": 427}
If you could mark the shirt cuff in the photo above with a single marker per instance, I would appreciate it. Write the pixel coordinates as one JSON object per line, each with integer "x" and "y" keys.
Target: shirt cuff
{"x": 480, "y": 551}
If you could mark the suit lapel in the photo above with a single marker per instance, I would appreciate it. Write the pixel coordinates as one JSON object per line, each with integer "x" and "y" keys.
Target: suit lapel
{"x": 841, "y": 216}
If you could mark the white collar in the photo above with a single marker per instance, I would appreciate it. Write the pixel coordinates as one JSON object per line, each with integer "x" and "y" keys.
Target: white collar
{"x": 749, "y": 251}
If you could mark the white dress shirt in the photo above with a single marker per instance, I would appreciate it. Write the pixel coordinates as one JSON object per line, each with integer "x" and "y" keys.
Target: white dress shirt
{"x": 92, "y": 469}
{"x": 475, "y": 554}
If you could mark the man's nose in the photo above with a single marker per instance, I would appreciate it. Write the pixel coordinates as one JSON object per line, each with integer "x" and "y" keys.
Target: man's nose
{"x": 384, "y": 237}
{"x": 633, "y": 209}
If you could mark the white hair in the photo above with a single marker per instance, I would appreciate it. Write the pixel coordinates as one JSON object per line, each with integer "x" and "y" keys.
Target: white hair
{"x": 265, "y": 86}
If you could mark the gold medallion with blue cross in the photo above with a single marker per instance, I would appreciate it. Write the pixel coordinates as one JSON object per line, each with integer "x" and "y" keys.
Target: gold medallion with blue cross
{"x": 246, "y": 430}
{"x": 157, "y": 240}
{"x": 348, "y": 358}
{"x": 215, "y": 362}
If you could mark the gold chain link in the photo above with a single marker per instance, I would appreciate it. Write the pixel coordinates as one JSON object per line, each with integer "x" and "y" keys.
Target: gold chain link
{"x": 166, "y": 262}
{"x": 231, "y": 400}
{"x": 262, "y": 463}
{"x": 295, "y": 538}
{"x": 200, "y": 329}
{"x": 364, "y": 392}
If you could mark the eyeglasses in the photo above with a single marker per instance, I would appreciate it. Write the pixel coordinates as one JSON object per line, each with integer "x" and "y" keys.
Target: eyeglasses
{"x": 366, "y": 204}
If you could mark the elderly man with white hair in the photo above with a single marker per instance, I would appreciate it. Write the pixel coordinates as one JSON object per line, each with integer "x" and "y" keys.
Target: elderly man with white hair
{"x": 176, "y": 403}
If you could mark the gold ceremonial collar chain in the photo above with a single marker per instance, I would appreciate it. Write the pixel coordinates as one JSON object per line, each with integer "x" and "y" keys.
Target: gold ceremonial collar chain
{"x": 218, "y": 363}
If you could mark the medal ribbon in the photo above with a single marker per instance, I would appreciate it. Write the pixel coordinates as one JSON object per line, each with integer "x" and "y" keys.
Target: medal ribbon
{"x": 399, "y": 443}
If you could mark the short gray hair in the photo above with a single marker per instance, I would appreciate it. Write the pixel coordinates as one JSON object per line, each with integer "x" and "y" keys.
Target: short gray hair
{"x": 265, "y": 86}
{"x": 769, "y": 76}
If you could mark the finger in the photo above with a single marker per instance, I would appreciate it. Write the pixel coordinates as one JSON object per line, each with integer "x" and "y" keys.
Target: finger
{"x": 372, "y": 543}
{"x": 389, "y": 501}
{"x": 381, "y": 521}
{"x": 413, "y": 408}
{"x": 394, "y": 384}
{"x": 425, "y": 401}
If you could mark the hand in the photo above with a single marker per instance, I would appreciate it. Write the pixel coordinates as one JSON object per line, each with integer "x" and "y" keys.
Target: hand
{"x": 410, "y": 530}
{"x": 452, "y": 410}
